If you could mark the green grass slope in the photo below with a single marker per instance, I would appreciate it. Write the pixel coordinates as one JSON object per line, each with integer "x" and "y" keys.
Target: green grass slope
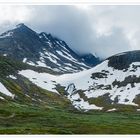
{"x": 24, "y": 119}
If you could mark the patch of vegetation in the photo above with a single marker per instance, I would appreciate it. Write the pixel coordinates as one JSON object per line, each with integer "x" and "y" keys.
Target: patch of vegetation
{"x": 82, "y": 95}
{"x": 102, "y": 101}
{"x": 61, "y": 89}
{"x": 105, "y": 102}
{"x": 125, "y": 108}
{"x": 98, "y": 75}
{"x": 9, "y": 66}
{"x": 132, "y": 79}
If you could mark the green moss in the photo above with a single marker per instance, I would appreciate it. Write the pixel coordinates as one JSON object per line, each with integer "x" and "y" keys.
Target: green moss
{"x": 102, "y": 101}
{"x": 61, "y": 89}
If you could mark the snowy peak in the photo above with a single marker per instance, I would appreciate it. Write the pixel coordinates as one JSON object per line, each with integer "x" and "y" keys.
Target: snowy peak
{"x": 41, "y": 50}
{"x": 20, "y": 28}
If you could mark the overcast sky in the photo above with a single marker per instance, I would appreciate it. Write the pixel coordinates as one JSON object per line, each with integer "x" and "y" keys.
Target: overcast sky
{"x": 104, "y": 30}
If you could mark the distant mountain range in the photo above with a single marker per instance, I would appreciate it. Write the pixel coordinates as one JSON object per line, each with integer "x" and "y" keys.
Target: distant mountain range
{"x": 43, "y": 50}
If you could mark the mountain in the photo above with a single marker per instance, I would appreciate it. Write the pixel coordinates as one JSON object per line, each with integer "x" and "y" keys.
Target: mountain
{"x": 42, "y": 50}
{"x": 36, "y": 66}
{"x": 113, "y": 85}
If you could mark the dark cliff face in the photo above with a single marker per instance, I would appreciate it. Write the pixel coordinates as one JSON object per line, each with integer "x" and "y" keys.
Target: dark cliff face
{"x": 123, "y": 60}
{"x": 23, "y": 43}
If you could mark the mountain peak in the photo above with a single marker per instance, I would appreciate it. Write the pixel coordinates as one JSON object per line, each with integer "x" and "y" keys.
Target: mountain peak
{"x": 42, "y": 50}
{"x": 20, "y": 30}
{"x": 20, "y": 25}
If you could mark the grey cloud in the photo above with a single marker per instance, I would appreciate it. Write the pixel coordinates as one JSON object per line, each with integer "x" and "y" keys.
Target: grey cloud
{"x": 67, "y": 23}
{"x": 112, "y": 44}
{"x": 79, "y": 28}
{"x": 104, "y": 30}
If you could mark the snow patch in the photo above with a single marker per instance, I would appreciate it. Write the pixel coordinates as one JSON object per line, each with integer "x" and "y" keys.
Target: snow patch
{"x": 5, "y": 91}
{"x": 43, "y": 80}
{"x": 24, "y": 60}
{"x": 2, "y": 98}
{"x": 4, "y": 54}
{"x": 110, "y": 110}
{"x": 31, "y": 63}
{"x": 12, "y": 77}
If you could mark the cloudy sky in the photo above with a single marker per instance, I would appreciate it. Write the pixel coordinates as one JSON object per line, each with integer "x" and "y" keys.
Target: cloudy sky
{"x": 104, "y": 30}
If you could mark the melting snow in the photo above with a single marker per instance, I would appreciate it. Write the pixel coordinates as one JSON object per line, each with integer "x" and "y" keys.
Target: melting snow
{"x": 46, "y": 81}
{"x": 83, "y": 81}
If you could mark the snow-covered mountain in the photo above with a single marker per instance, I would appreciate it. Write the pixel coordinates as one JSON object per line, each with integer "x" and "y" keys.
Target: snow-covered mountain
{"x": 108, "y": 86}
{"x": 30, "y": 61}
{"x": 43, "y": 50}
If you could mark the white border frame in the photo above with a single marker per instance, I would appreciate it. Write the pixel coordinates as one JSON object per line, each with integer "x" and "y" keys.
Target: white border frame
{"x": 70, "y": 2}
